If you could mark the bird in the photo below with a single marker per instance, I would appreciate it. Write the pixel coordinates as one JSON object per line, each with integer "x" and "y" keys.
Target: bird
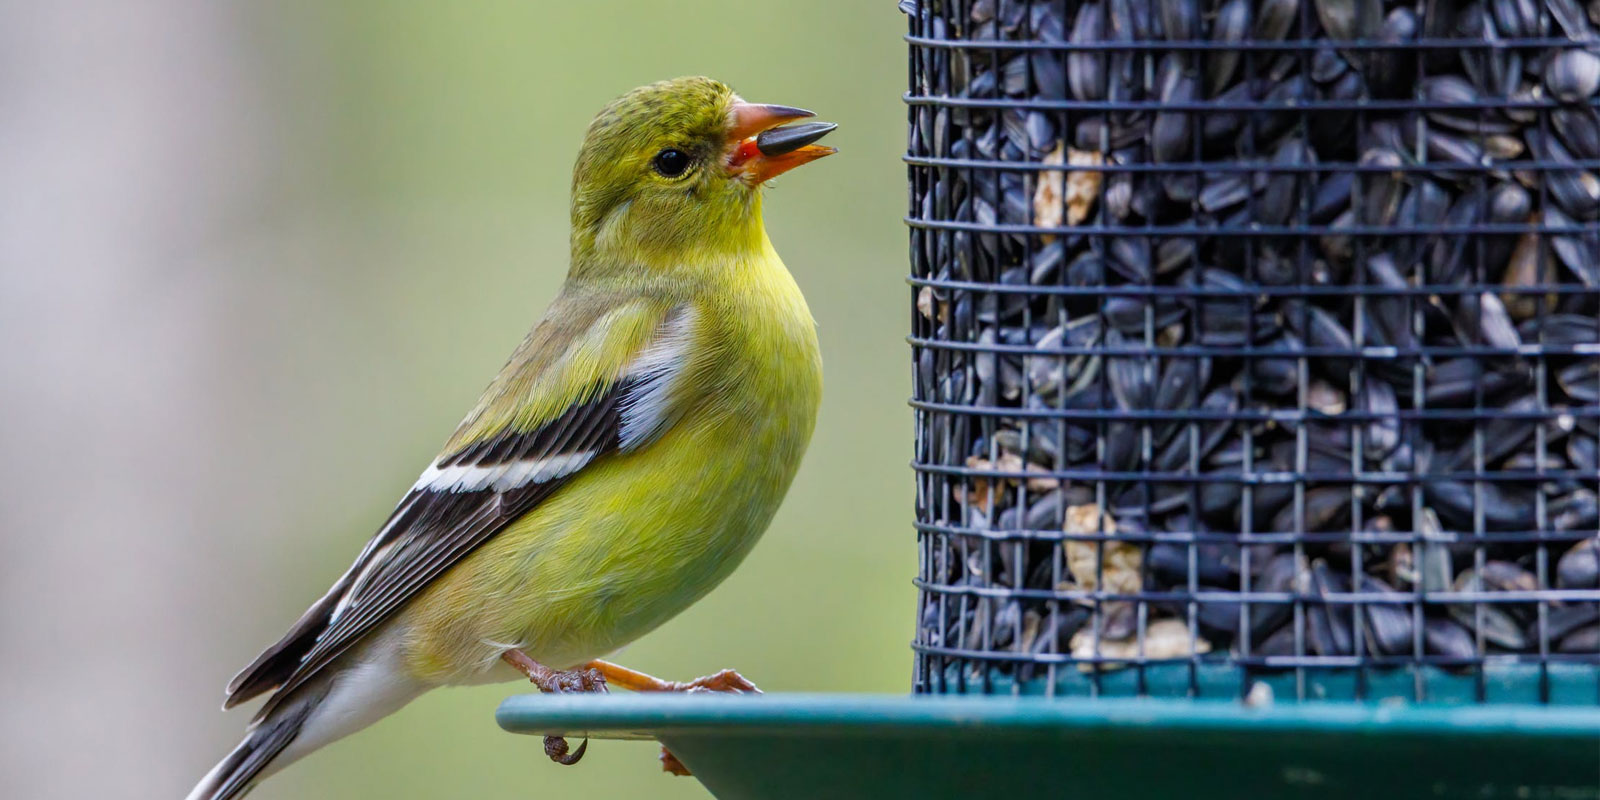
{"x": 620, "y": 465}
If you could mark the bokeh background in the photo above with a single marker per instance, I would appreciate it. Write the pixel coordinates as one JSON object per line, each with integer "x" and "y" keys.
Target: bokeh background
{"x": 256, "y": 261}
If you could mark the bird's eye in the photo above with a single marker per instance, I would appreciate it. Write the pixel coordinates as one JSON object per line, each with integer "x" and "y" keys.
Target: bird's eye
{"x": 671, "y": 162}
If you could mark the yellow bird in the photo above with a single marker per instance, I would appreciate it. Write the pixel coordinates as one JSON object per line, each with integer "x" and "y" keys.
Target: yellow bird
{"x": 622, "y": 463}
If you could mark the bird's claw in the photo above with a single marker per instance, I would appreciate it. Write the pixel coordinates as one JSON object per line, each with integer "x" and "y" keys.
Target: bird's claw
{"x": 568, "y": 682}
{"x": 556, "y": 748}
{"x": 572, "y": 681}
{"x": 578, "y": 680}
{"x": 725, "y": 680}
{"x": 722, "y": 681}
{"x": 670, "y": 763}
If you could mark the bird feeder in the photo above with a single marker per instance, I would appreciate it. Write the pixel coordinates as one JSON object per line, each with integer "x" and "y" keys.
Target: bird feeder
{"x": 1256, "y": 349}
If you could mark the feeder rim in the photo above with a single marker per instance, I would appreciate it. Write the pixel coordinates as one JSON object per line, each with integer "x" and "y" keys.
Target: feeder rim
{"x": 642, "y": 716}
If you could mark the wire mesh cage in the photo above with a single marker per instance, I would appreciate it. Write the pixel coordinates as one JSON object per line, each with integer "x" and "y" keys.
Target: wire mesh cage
{"x": 1257, "y": 341}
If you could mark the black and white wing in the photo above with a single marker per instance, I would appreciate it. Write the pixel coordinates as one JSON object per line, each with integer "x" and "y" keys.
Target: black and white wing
{"x": 467, "y": 496}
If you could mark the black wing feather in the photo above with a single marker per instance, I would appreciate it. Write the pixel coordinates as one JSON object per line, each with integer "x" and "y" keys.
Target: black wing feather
{"x": 433, "y": 530}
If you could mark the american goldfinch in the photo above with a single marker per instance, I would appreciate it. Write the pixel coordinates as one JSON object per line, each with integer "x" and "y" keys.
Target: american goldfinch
{"x": 620, "y": 465}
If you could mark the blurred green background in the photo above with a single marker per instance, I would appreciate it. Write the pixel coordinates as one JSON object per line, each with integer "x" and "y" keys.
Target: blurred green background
{"x": 262, "y": 260}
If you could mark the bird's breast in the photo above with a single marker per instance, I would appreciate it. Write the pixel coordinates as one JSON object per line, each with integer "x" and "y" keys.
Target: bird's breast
{"x": 638, "y": 536}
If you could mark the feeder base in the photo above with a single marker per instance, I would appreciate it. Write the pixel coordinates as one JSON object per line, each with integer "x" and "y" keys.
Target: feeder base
{"x": 875, "y": 747}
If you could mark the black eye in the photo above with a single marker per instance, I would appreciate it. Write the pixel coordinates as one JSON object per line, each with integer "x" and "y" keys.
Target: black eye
{"x": 671, "y": 162}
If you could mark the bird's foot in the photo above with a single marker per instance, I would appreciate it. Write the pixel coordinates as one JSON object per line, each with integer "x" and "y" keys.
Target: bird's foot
{"x": 558, "y": 681}
{"x": 571, "y": 681}
{"x": 556, "y": 748}
{"x": 670, "y": 763}
{"x": 723, "y": 681}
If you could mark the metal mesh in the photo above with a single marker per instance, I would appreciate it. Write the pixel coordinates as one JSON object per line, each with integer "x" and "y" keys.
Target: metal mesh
{"x": 1256, "y": 342}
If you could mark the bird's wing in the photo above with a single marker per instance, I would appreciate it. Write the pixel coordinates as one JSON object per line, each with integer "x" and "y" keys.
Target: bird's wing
{"x": 581, "y": 386}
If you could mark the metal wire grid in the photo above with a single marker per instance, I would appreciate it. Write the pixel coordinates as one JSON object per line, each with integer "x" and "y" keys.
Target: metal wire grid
{"x": 1289, "y": 436}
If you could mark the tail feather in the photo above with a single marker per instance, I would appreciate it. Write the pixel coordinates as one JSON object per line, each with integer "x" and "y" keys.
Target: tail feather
{"x": 237, "y": 772}
{"x": 364, "y": 688}
{"x": 278, "y": 662}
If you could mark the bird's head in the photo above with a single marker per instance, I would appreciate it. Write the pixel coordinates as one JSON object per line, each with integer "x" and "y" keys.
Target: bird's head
{"x": 670, "y": 174}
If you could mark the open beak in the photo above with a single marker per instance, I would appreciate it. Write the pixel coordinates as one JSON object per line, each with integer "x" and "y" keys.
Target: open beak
{"x": 760, "y": 150}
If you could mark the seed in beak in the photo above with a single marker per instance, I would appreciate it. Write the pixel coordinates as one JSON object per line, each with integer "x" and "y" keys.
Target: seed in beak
{"x": 779, "y": 141}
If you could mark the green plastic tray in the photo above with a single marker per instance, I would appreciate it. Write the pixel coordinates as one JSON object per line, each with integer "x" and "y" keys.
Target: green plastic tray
{"x": 841, "y": 747}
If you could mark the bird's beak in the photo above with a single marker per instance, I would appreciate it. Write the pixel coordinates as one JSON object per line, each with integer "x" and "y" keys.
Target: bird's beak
{"x": 760, "y": 150}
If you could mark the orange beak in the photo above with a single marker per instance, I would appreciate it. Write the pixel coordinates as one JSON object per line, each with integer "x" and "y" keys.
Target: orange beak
{"x": 759, "y": 150}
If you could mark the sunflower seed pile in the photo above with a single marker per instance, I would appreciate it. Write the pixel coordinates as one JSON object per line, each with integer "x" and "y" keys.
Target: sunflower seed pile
{"x": 1263, "y": 331}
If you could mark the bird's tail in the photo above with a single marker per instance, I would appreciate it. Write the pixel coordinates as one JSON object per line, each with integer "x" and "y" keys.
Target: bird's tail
{"x": 330, "y": 706}
{"x": 238, "y": 771}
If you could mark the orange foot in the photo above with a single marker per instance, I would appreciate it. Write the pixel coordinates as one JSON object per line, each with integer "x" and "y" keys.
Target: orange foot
{"x": 723, "y": 681}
